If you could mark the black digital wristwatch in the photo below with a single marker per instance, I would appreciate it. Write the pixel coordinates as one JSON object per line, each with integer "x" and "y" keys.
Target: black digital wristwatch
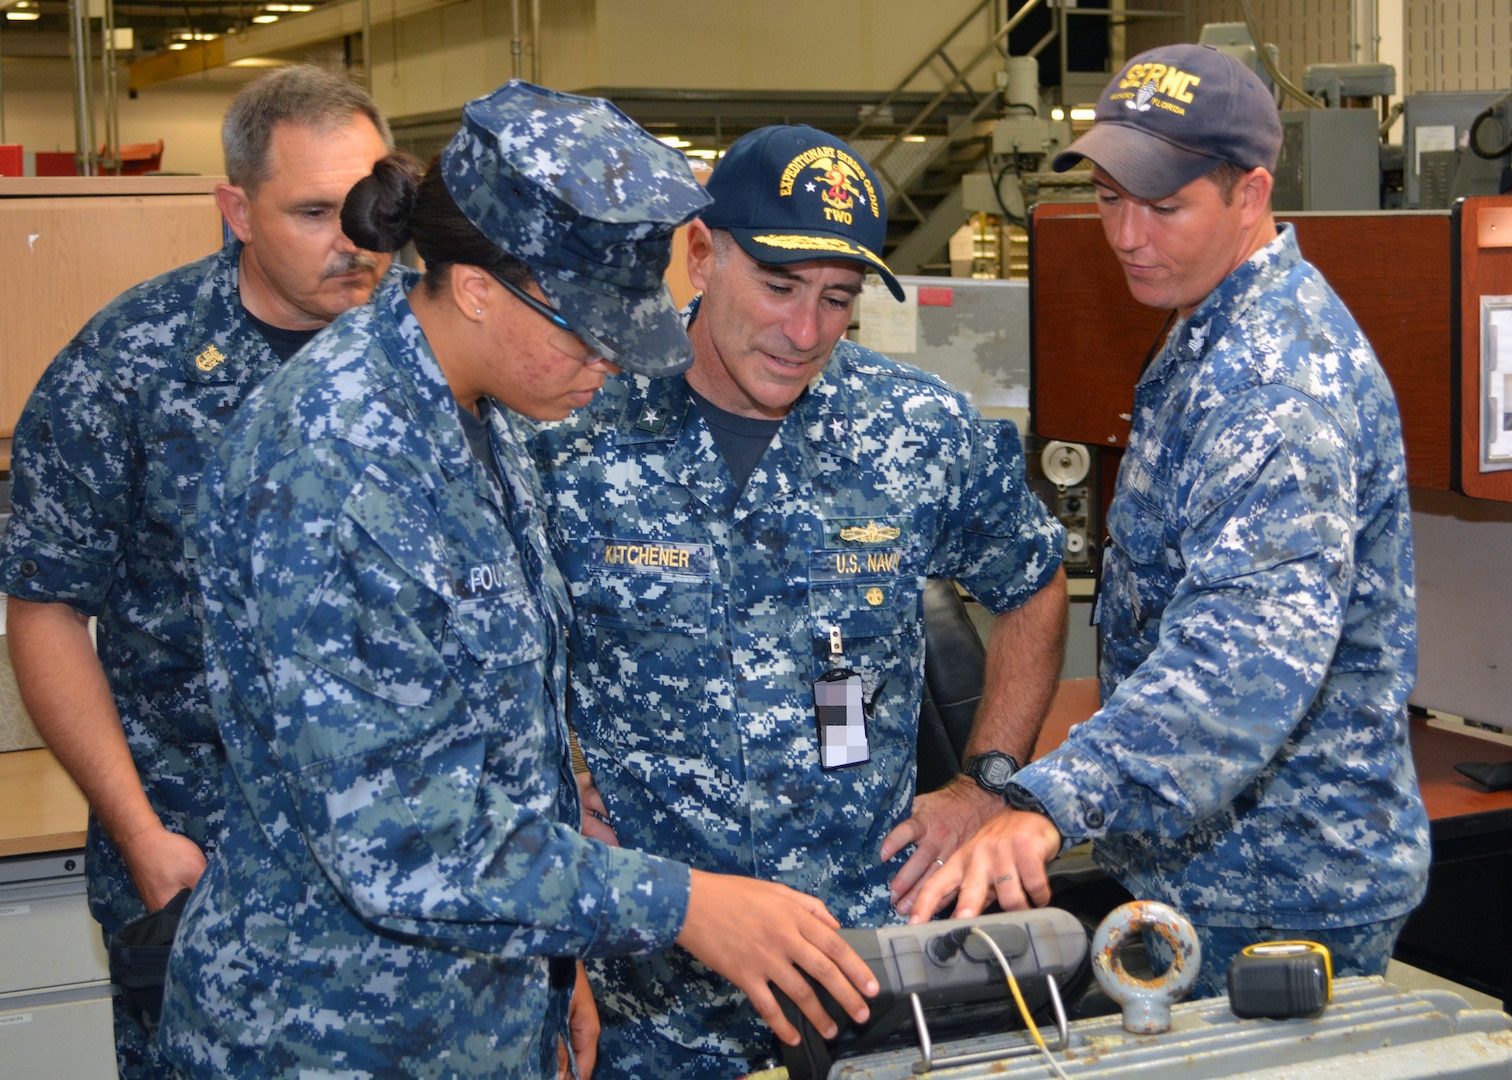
{"x": 991, "y": 771}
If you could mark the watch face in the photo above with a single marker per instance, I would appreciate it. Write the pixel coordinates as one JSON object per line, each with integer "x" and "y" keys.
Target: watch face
{"x": 997, "y": 771}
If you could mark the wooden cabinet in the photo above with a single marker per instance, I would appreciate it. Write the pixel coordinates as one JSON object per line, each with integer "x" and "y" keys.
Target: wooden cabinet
{"x": 69, "y": 245}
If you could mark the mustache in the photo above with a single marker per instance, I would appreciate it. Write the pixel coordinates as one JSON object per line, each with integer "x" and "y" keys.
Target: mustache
{"x": 357, "y": 260}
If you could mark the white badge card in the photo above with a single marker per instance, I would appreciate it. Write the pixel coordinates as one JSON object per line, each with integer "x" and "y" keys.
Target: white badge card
{"x": 841, "y": 712}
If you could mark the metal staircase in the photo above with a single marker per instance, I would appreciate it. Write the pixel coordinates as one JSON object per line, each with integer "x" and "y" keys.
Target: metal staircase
{"x": 921, "y": 170}
{"x": 921, "y": 174}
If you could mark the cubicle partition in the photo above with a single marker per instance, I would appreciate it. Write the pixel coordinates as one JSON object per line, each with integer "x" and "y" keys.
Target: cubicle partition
{"x": 1089, "y": 339}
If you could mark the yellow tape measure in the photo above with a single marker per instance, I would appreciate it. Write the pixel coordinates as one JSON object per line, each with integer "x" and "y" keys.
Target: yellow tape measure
{"x": 1280, "y": 980}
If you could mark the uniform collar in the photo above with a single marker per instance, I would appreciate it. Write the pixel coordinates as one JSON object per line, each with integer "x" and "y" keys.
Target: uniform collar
{"x": 1258, "y": 275}
{"x": 830, "y": 410}
{"x": 219, "y": 344}
{"x": 420, "y": 378}
{"x": 656, "y": 410}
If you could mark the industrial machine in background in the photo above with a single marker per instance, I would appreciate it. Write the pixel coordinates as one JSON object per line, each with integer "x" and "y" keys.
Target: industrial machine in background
{"x": 1334, "y": 156}
{"x": 1455, "y": 144}
{"x": 1024, "y": 141}
{"x": 1064, "y": 476}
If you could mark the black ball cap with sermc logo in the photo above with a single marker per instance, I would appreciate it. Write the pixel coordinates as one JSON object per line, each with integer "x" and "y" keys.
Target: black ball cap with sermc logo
{"x": 1174, "y": 114}
{"x": 791, "y": 193}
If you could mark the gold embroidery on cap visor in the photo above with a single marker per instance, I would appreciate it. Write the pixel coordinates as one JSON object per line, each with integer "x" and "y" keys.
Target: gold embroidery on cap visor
{"x": 833, "y": 245}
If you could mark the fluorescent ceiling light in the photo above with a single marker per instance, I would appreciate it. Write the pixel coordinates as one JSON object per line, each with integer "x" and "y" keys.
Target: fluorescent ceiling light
{"x": 265, "y": 19}
{"x": 15, "y": 15}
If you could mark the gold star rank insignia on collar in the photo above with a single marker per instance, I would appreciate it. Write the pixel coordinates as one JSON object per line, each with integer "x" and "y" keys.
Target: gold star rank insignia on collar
{"x": 210, "y": 359}
{"x": 651, "y": 419}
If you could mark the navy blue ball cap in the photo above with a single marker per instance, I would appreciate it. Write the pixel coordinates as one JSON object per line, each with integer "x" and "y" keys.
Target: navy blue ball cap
{"x": 1174, "y": 114}
{"x": 793, "y": 193}
{"x": 589, "y": 200}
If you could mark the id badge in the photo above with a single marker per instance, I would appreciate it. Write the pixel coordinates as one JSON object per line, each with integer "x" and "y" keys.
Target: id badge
{"x": 839, "y": 707}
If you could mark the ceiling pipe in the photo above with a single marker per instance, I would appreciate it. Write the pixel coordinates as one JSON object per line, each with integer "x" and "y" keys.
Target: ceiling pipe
{"x": 514, "y": 39}
{"x": 535, "y": 41}
{"x": 111, "y": 68}
{"x": 83, "y": 88}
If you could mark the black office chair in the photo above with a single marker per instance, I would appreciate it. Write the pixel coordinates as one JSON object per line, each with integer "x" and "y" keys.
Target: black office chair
{"x": 955, "y": 666}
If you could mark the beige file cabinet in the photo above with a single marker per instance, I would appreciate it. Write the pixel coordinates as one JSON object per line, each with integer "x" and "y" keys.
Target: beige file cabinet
{"x": 55, "y": 1016}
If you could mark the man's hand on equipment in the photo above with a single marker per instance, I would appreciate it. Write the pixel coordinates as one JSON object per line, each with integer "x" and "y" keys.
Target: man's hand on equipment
{"x": 941, "y": 822}
{"x": 1005, "y": 861}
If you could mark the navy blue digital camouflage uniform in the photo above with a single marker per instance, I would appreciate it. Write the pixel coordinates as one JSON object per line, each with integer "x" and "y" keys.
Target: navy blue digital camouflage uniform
{"x": 1250, "y": 763}
{"x": 704, "y": 613}
{"x": 106, "y": 465}
{"x": 384, "y": 638}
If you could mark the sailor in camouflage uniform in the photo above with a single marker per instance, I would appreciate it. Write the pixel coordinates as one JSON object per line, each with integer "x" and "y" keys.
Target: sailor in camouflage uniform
{"x": 403, "y": 889}
{"x": 1250, "y": 763}
{"x": 107, "y": 461}
{"x": 711, "y": 609}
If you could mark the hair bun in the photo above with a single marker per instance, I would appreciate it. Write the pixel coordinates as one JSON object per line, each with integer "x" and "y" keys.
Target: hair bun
{"x": 377, "y": 211}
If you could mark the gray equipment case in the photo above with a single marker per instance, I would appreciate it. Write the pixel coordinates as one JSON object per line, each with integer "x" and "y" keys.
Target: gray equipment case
{"x": 1370, "y": 1031}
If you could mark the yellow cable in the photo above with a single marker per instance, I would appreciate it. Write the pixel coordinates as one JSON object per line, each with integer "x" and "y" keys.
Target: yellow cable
{"x": 1018, "y": 998}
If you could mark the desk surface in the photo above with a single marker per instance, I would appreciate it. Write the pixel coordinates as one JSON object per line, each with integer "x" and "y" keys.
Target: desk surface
{"x": 1447, "y": 795}
{"x": 40, "y": 808}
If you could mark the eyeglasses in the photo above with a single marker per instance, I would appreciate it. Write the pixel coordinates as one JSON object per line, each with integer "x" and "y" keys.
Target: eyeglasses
{"x": 582, "y": 347}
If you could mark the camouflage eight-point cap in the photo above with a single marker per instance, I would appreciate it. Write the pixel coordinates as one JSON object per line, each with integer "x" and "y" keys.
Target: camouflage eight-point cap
{"x": 575, "y": 189}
